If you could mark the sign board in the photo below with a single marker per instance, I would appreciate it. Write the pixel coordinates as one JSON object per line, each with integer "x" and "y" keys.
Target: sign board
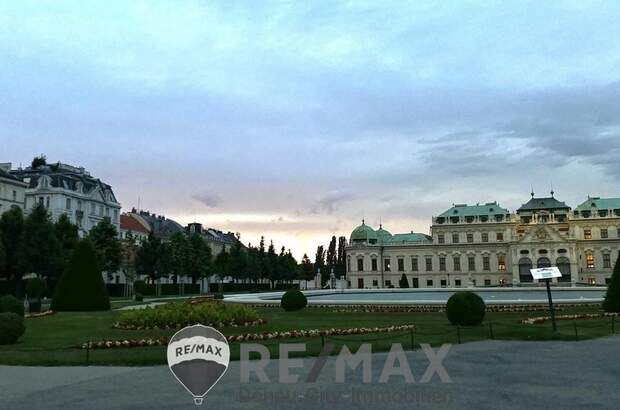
{"x": 546, "y": 273}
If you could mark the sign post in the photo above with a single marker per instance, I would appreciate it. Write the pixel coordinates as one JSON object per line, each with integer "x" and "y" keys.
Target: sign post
{"x": 547, "y": 274}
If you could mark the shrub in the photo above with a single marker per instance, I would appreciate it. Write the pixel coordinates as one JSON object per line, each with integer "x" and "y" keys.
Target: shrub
{"x": 218, "y": 296}
{"x": 403, "y": 282}
{"x": 180, "y": 314}
{"x": 36, "y": 288}
{"x": 139, "y": 286}
{"x": 138, "y": 297}
{"x": 293, "y": 300}
{"x": 11, "y": 304}
{"x": 465, "y": 309}
{"x": 81, "y": 286}
{"x": 11, "y": 328}
{"x": 612, "y": 297}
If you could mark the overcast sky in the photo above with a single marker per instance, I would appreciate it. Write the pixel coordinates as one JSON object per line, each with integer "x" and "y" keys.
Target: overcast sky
{"x": 296, "y": 119}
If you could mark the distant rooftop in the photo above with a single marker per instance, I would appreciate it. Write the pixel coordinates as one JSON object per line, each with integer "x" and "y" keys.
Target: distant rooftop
{"x": 599, "y": 203}
{"x": 540, "y": 204}
{"x": 489, "y": 208}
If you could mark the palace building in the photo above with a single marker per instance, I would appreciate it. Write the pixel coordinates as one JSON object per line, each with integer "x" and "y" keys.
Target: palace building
{"x": 487, "y": 245}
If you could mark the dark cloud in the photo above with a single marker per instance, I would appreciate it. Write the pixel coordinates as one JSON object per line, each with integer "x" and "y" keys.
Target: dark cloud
{"x": 329, "y": 202}
{"x": 210, "y": 200}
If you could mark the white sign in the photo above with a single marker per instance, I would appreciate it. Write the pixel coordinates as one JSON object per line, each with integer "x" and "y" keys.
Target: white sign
{"x": 546, "y": 273}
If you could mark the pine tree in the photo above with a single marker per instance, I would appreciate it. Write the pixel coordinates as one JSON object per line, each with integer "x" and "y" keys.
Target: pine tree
{"x": 11, "y": 228}
{"x": 341, "y": 264}
{"x": 81, "y": 286}
{"x": 307, "y": 268}
{"x": 612, "y": 298}
{"x": 331, "y": 255}
{"x": 403, "y": 282}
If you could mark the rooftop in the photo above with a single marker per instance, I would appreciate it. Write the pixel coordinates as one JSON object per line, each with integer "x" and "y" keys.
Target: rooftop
{"x": 489, "y": 208}
{"x": 599, "y": 203}
{"x": 540, "y": 204}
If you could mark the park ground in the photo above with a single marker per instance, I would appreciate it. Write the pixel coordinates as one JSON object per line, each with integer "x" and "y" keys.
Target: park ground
{"x": 56, "y": 340}
{"x": 485, "y": 375}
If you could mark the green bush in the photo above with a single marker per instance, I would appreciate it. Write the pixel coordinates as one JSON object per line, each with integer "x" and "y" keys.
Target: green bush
{"x": 612, "y": 298}
{"x": 218, "y": 296}
{"x": 139, "y": 286}
{"x": 81, "y": 287}
{"x": 11, "y": 328}
{"x": 36, "y": 288}
{"x": 180, "y": 314}
{"x": 403, "y": 282}
{"x": 138, "y": 297}
{"x": 293, "y": 300}
{"x": 11, "y": 304}
{"x": 465, "y": 309}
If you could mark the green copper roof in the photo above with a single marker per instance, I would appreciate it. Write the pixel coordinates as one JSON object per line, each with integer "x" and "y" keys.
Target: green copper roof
{"x": 410, "y": 237}
{"x": 383, "y": 235}
{"x": 537, "y": 204}
{"x": 490, "y": 208}
{"x": 363, "y": 233}
{"x": 599, "y": 203}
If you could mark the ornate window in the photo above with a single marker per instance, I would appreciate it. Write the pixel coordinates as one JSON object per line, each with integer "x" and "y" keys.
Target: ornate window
{"x": 373, "y": 264}
{"x": 360, "y": 264}
{"x": 501, "y": 263}
{"x": 604, "y": 233}
{"x": 486, "y": 263}
{"x": 587, "y": 234}
{"x": 401, "y": 265}
{"x": 442, "y": 263}
{"x": 590, "y": 260}
{"x": 455, "y": 238}
{"x": 606, "y": 260}
{"x": 429, "y": 264}
{"x": 441, "y": 238}
{"x": 500, "y": 236}
{"x": 414, "y": 264}
{"x": 457, "y": 263}
{"x": 387, "y": 265}
{"x": 470, "y": 237}
{"x": 471, "y": 263}
{"x": 485, "y": 237}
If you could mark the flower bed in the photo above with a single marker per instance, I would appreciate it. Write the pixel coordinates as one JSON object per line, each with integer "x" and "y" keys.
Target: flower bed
{"x": 290, "y": 334}
{"x": 581, "y": 316}
{"x": 180, "y": 314}
{"x": 41, "y": 314}
{"x": 514, "y": 308}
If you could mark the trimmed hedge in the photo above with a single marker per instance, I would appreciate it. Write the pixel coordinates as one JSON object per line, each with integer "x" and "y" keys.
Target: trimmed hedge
{"x": 10, "y": 304}
{"x": 293, "y": 300}
{"x": 238, "y": 287}
{"x": 36, "y": 288}
{"x": 167, "y": 289}
{"x": 81, "y": 286}
{"x": 11, "y": 328}
{"x": 465, "y": 309}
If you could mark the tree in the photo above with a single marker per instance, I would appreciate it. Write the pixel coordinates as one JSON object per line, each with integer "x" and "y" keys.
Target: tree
{"x": 148, "y": 256}
{"x": 2, "y": 259}
{"x": 331, "y": 255}
{"x": 199, "y": 264}
{"x": 253, "y": 264}
{"x": 129, "y": 249}
{"x": 238, "y": 262}
{"x": 221, "y": 265}
{"x": 289, "y": 267}
{"x": 271, "y": 264}
{"x": 11, "y": 228}
{"x": 319, "y": 263}
{"x": 307, "y": 268}
{"x": 403, "y": 282}
{"x": 341, "y": 263}
{"x": 612, "y": 298}
{"x": 81, "y": 286}
{"x": 39, "y": 161}
{"x": 39, "y": 248}
{"x": 180, "y": 254}
{"x": 67, "y": 236}
{"x": 104, "y": 237}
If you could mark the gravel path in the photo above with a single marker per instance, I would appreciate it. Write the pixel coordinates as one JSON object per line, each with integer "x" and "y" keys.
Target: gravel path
{"x": 485, "y": 375}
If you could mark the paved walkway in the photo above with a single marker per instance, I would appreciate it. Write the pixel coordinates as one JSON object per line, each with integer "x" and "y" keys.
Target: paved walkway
{"x": 485, "y": 375}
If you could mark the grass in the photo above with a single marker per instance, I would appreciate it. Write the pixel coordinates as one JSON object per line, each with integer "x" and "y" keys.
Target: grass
{"x": 53, "y": 340}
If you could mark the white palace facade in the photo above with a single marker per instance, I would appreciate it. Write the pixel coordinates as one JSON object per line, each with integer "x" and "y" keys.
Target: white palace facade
{"x": 486, "y": 245}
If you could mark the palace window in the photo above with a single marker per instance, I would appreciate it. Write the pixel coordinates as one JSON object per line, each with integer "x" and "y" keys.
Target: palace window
{"x": 501, "y": 262}
{"x": 485, "y": 237}
{"x": 442, "y": 263}
{"x": 487, "y": 282}
{"x": 360, "y": 265}
{"x": 457, "y": 282}
{"x": 429, "y": 264}
{"x": 457, "y": 263}
{"x": 401, "y": 265}
{"x": 471, "y": 263}
{"x": 414, "y": 264}
{"x": 375, "y": 283}
{"x": 587, "y": 234}
{"x": 68, "y": 204}
{"x": 500, "y": 236}
{"x": 441, "y": 238}
{"x": 455, "y": 238}
{"x": 429, "y": 283}
{"x": 486, "y": 263}
{"x": 470, "y": 238}
{"x": 590, "y": 261}
{"x": 348, "y": 264}
{"x": 604, "y": 233}
{"x": 388, "y": 283}
{"x": 14, "y": 196}
{"x": 444, "y": 283}
{"x": 606, "y": 260}
{"x": 387, "y": 265}
{"x": 373, "y": 264}
{"x": 93, "y": 208}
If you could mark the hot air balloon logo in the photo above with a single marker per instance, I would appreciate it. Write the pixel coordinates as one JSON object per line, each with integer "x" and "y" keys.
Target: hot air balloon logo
{"x": 198, "y": 357}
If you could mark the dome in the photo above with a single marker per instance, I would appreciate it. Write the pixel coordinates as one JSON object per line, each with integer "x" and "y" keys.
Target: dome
{"x": 364, "y": 233}
{"x": 383, "y": 235}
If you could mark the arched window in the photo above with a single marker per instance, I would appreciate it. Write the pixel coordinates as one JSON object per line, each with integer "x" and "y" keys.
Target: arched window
{"x": 563, "y": 264}
{"x": 525, "y": 264}
{"x": 543, "y": 263}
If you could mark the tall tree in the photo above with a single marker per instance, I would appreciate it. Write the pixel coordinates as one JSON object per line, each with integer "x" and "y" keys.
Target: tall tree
{"x": 39, "y": 247}
{"x": 271, "y": 264}
{"x": 612, "y": 298}
{"x": 200, "y": 261}
{"x": 104, "y": 237}
{"x": 238, "y": 262}
{"x": 319, "y": 264}
{"x": 129, "y": 249}
{"x": 254, "y": 265}
{"x": 307, "y": 268}
{"x": 341, "y": 264}
{"x": 11, "y": 228}
{"x": 180, "y": 254}
{"x": 331, "y": 255}
{"x": 68, "y": 238}
{"x": 39, "y": 161}
{"x": 2, "y": 259}
{"x": 147, "y": 261}
{"x": 221, "y": 265}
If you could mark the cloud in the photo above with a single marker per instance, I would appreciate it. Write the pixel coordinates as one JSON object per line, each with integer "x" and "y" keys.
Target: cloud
{"x": 330, "y": 201}
{"x": 210, "y": 200}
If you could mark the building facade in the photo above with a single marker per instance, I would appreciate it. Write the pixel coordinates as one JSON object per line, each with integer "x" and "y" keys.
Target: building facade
{"x": 486, "y": 245}
{"x": 67, "y": 190}
{"x": 12, "y": 190}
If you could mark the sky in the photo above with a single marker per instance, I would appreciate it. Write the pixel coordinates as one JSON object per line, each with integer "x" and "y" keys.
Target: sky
{"x": 295, "y": 120}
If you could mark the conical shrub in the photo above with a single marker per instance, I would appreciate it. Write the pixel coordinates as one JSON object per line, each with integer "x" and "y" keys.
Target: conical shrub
{"x": 81, "y": 287}
{"x": 612, "y": 298}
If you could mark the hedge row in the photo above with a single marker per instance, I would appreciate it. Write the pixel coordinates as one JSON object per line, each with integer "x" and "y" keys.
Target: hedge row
{"x": 167, "y": 289}
{"x": 249, "y": 287}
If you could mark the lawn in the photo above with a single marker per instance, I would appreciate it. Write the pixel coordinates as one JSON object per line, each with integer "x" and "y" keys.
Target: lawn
{"x": 53, "y": 340}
